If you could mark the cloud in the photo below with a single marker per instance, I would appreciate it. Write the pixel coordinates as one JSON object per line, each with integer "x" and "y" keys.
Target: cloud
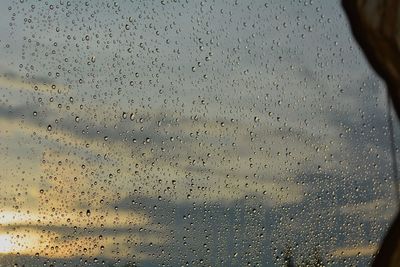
{"x": 355, "y": 251}
{"x": 12, "y": 82}
{"x": 374, "y": 210}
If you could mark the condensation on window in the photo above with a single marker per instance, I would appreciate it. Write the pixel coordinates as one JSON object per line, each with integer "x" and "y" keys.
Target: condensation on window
{"x": 189, "y": 133}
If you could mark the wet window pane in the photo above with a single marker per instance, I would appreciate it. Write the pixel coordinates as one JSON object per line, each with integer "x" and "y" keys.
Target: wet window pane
{"x": 199, "y": 133}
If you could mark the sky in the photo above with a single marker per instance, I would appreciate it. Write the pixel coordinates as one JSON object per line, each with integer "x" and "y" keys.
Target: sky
{"x": 207, "y": 133}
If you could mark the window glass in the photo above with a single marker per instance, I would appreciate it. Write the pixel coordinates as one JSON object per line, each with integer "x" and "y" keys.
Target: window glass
{"x": 199, "y": 133}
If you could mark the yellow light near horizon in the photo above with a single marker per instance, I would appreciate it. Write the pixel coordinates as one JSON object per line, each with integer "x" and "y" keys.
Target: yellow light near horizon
{"x": 18, "y": 242}
{"x": 6, "y": 244}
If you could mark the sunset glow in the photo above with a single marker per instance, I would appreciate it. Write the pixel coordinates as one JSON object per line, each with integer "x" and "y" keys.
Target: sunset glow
{"x": 18, "y": 242}
{"x": 6, "y": 244}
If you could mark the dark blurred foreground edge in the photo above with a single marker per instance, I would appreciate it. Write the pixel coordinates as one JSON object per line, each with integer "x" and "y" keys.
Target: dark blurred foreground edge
{"x": 373, "y": 24}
